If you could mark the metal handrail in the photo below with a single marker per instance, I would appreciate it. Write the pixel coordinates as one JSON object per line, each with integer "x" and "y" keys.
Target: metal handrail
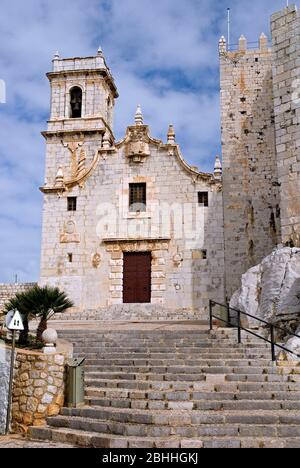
{"x": 272, "y": 327}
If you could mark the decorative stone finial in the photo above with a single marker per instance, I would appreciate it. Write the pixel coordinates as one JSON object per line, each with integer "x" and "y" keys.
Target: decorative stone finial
{"x": 100, "y": 51}
{"x": 59, "y": 180}
{"x": 139, "y": 120}
{"x": 218, "y": 169}
{"x": 56, "y": 55}
{"x": 263, "y": 42}
{"x": 243, "y": 43}
{"x": 106, "y": 141}
{"x": 49, "y": 338}
{"x": 222, "y": 45}
{"x": 171, "y": 135}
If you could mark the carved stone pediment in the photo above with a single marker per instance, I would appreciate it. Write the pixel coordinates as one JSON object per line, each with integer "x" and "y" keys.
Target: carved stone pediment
{"x": 137, "y": 146}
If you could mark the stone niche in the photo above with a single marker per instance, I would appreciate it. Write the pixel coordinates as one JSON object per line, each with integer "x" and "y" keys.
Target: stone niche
{"x": 159, "y": 249}
{"x": 39, "y": 388}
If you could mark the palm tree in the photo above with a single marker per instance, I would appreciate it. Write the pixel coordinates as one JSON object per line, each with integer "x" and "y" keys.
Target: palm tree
{"x": 48, "y": 301}
{"x": 42, "y": 302}
{"x": 21, "y": 303}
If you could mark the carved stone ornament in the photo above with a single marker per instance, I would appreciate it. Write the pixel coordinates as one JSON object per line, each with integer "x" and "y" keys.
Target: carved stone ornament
{"x": 96, "y": 261}
{"x": 178, "y": 259}
{"x": 69, "y": 234}
{"x": 137, "y": 143}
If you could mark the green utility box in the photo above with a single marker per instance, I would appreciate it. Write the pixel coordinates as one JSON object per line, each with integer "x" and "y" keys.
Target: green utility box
{"x": 75, "y": 382}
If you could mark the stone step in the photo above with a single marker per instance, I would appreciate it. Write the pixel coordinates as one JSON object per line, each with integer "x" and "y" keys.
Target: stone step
{"x": 98, "y": 440}
{"x": 92, "y": 363}
{"x": 208, "y": 345}
{"x": 111, "y": 395}
{"x": 192, "y": 386}
{"x": 175, "y": 357}
{"x": 192, "y": 431}
{"x": 153, "y": 373}
{"x": 208, "y": 404}
{"x": 183, "y": 417}
{"x": 200, "y": 386}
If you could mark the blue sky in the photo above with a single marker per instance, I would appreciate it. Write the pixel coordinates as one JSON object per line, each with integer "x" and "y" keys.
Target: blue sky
{"x": 163, "y": 54}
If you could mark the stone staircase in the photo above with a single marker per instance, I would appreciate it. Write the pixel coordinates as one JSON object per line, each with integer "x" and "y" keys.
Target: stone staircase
{"x": 179, "y": 388}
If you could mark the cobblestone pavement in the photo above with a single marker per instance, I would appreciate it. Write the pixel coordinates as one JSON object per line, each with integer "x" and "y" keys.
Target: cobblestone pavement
{"x": 20, "y": 442}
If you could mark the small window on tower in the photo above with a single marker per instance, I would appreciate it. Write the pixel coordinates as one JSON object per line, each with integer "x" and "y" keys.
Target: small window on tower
{"x": 76, "y": 102}
{"x": 70, "y": 258}
{"x": 72, "y": 203}
{"x": 203, "y": 198}
{"x": 137, "y": 198}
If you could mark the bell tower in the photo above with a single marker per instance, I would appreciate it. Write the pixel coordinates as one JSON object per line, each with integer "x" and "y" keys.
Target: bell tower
{"x": 83, "y": 94}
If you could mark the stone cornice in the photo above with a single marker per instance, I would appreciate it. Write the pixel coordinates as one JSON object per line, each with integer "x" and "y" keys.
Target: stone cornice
{"x": 103, "y": 72}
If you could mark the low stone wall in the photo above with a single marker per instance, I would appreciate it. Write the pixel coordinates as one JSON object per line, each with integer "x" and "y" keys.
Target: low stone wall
{"x": 7, "y": 291}
{"x": 39, "y": 387}
{"x": 5, "y": 356}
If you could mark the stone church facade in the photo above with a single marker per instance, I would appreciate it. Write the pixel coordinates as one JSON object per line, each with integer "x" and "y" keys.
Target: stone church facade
{"x": 126, "y": 222}
{"x": 130, "y": 229}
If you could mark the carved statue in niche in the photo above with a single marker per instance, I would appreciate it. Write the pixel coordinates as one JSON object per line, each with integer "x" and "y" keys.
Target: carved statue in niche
{"x": 69, "y": 234}
{"x": 137, "y": 143}
{"x": 96, "y": 260}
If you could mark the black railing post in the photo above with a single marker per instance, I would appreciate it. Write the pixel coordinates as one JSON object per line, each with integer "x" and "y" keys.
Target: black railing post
{"x": 211, "y": 325}
{"x": 228, "y": 315}
{"x": 273, "y": 343}
{"x": 239, "y": 327}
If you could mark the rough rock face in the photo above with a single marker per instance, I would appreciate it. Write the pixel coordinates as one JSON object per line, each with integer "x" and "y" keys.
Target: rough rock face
{"x": 271, "y": 290}
{"x": 4, "y": 382}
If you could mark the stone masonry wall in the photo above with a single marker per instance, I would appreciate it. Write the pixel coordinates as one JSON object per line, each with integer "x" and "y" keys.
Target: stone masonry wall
{"x": 39, "y": 383}
{"x": 4, "y": 383}
{"x": 285, "y": 27}
{"x": 250, "y": 191}
{"x": 7, "y": 291}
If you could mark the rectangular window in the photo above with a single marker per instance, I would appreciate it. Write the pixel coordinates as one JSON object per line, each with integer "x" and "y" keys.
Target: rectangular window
{"x": 72, "y": 203}
{"x": 70, "y": 258}
{"x": 137, "y": 197}
{"x": 203, "y": 198}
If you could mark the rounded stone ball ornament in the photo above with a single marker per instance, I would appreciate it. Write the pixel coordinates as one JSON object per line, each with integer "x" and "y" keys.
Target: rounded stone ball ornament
{"x": 50, "y": 337}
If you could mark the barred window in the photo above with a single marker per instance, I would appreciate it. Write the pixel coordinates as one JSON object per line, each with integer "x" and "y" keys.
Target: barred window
{"x": 203, "y": 198}
{"x": 137, "y": 197}
{"x": 72, "y": 203}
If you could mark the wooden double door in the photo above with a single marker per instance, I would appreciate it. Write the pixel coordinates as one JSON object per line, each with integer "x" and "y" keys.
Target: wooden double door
{"x": 137, "y": 278}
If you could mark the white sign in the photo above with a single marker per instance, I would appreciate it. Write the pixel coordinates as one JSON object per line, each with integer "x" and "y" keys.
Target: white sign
{"x": 16, "y": 323}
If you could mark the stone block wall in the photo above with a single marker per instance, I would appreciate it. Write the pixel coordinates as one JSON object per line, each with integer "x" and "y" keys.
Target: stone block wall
{"x": 4, "y": 383}
{"x": 39, "y": 388}
{"x": 285, "y": 27}
{"x": 250, "y": 187}
{"x": 7, "y": 291}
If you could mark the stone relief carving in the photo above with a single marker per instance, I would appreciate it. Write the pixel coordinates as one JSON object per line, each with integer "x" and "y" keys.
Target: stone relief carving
{"x": 73, "y": 147}
{"x": 96, "y": 260}
{"x": 178, "y": 259}
{"x": 137, "y": 143}
{"x": 69, "y": 234}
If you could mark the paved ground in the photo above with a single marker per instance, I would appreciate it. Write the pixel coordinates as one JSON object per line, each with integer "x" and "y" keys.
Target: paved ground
{"x": 20, "y": 442}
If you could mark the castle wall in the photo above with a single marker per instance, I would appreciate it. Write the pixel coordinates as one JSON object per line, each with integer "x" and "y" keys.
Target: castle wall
{"x": 8, "y": 291}
{"x": 285, "y": 27}
{"x": 250, "y": 191}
